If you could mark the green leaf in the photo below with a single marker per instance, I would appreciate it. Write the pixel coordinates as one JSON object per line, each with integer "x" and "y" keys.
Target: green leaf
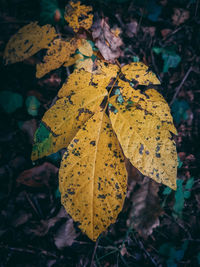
{"x": 179, "y": 199}
{"x": 171, "y": 59}
{"x": 167, "y": 191}
{"x": 32, "y": 105}
{"x": 187, "y": 194}
{"x": 10, "y": 101}
{"x": 189, "y": 183}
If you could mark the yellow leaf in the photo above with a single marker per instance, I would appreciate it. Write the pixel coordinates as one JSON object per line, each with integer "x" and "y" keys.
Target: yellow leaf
{"x": 145, "y": 142}
{"x": 151, "y": 101}
{"x": 86, "y": 64}
{"x": 28, "y": 41}
{"x": 58, "y": 53}
{"x": 72, "y": 60}
{"x": 80, "y": 79}
{"x": 72, "y": 111}
{"x": 138, "y": 72}
{"x": 92, "y": 177}
{"x": 86, "y": 48}
{"x": 78, "y": 16}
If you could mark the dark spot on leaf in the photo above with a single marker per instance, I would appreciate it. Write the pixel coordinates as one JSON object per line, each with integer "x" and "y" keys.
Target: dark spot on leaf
{"x": 93, "y": 143}
{"x": 101, "y": 196}
{"x": 141, "y": 149}
{"x": 119, "y": 196}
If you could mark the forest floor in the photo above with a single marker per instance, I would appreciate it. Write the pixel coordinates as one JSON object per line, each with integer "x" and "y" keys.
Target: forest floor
{"x": 35, "y": 230}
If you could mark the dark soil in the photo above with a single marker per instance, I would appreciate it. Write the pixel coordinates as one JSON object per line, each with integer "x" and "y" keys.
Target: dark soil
{"x": 34, "y": 228}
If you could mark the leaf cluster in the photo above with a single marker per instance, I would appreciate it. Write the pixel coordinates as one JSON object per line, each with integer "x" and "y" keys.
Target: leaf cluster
{"x": 100, "y": 117}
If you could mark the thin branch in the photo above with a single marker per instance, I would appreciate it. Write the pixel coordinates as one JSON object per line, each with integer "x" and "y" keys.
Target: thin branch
{"x": 177, "y": 90}
{"x": 95, "y": 249}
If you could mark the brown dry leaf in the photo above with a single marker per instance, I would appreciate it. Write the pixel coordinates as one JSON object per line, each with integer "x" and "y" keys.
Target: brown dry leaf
{"x": 58, "y": 53}
{"x": 145, "y": 209}
{"x": 131, "y": 28}
{"x": 66, "y": 235}
{"x": 28, "y": 41}
{"x": 38, "y": 176}
{"x": 92, "y": 176}
{"x": 145, "y": 142}
{"x": 106, "y": 41}
{"x": 78, "y": 16}
{"x": 180, "y": 16}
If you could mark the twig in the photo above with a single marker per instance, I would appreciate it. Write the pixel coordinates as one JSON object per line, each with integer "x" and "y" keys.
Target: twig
{"x": 29, "y": 250}
{"x": 180, "y": 85}
{"x": 94, "y": 252}
{"x": 196, "y": 9}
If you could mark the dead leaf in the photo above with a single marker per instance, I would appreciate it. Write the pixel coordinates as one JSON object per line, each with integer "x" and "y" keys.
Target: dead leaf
{"x": 28, "y": 41}
{"x": 65, "y": 235}
{"x": 29, "y": 127}
{"x": 180, "y": 16}
{"x": 131, "y": 28}
{"x": 38, "y": 176}
{"x": 145, "y": 209}
{"x": 106, "y": 41}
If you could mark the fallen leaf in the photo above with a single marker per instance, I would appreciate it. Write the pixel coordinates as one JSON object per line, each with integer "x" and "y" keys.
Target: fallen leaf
{"x": 180, "y": 16}
{"x": 65, "y": 235}
{"x": 38, "y": 176}
{"x": 145, "y": 209}
{"x": 106, "y": 41}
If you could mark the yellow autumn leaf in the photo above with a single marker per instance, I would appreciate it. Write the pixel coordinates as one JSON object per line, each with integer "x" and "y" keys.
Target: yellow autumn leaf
{"x": 78, "y": 16}
{"x": 138, "y": 72}
{"x": 151, "y": 101}
{"x": 80, "y": 79}
{"x": 58, "y": 53}
{"x": 72, "y": 60}
{"x": 92, "y": 176}
{"x": 145, "y": 142}
{"x": 85, "y": 48}
{"x": 70, "y": 112}
{"x": 28, "y": 41}
{"x": 86, "y": 64}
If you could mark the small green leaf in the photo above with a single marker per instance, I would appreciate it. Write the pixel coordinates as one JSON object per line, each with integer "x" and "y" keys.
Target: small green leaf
{"x": 179, "y": 199}
{"x": 167, "y": 191}
{"x": 187, "y": 194}
{"x": 10, "y": 101}
{"x": 189, "y": 183}
{"x": 32, "y": 105}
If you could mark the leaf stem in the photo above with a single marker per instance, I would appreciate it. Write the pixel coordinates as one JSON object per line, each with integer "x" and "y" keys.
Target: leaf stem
{"x": 111, "y": 91}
